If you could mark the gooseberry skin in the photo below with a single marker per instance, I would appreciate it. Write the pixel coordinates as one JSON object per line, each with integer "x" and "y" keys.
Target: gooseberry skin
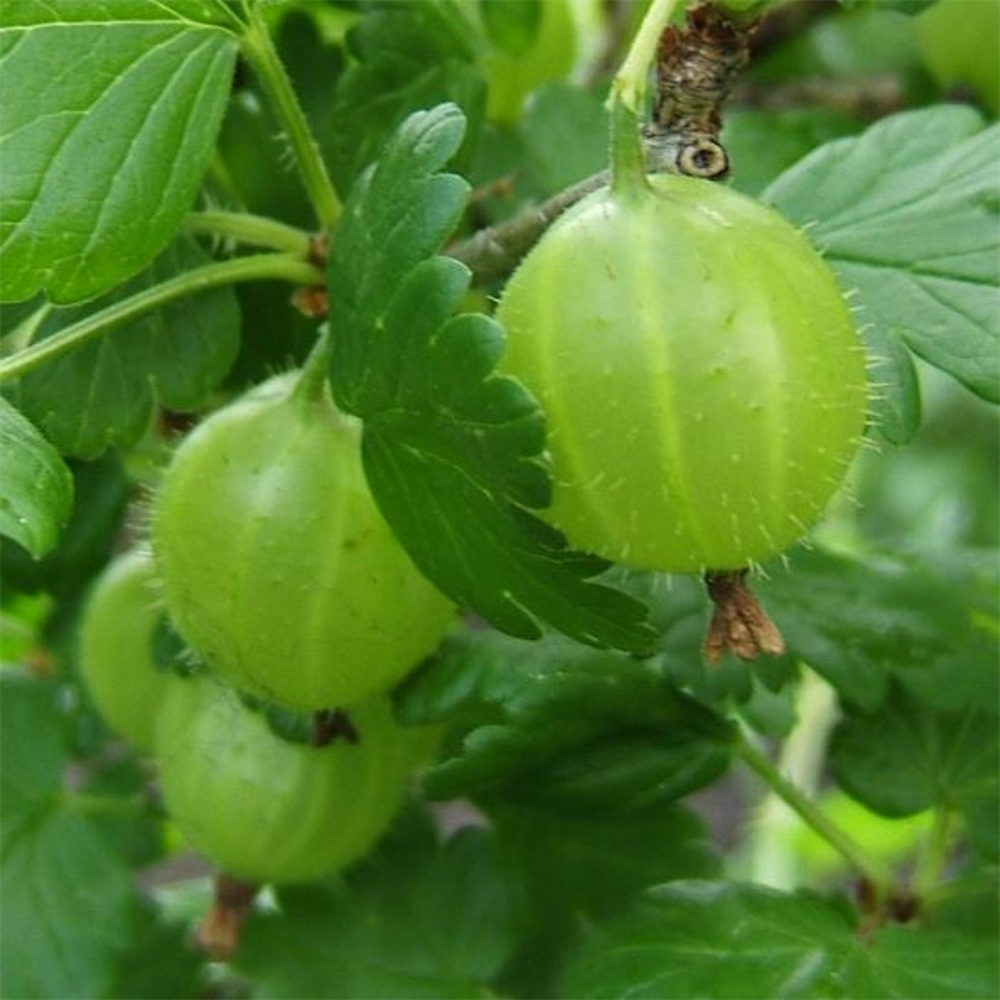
{"x": 702, "y": 379}
{"x": 277, "y": 567}
{"x": 265, "y": 810}
{"x": 116, "y": 648}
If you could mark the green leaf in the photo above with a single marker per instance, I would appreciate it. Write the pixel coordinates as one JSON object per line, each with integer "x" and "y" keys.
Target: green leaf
{"x": 422, "y": 919}
{"x": 761, "y": 144}
{"x": 910, "y": 756}
{"x": 907, "y": 214}
{"x": 65, "y": 898}
{"x": 103, "y": 393}
{"x": 407, "y": 57}
{"x": 37, "y": 490}
{"x": 452, "y": 451}
{"x": 100, "y": 493}
{"x": 857, "y": 620}
{"x": 726, "y": 940}
{"x": 578, "y": 869}
{"x": 560, "y": 724}
{"x": 101, "y": 163}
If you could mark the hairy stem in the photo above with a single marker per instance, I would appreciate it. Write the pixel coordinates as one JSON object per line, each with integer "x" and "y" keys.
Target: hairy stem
{"x": 255, "y": 230}
{"x": 879, "y": 877}
{"x": 261, "y": 53}
{"x": 260, "y": 267}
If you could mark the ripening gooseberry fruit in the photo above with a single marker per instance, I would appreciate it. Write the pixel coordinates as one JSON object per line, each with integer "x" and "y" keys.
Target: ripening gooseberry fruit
{"x": 116, "y": 648}
{"x": 277, "y": 566}
{"x": 266, "y": 810}
{"x": 703, "y": 383}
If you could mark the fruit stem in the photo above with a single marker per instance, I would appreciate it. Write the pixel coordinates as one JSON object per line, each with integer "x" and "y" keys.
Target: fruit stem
{"x": 877, "y": 875}
{"x": 256, "y": 230}
{"x": 627, "y": 99}
{"x": 258, "y": 267}
{"x": 260, "y": 51}
{"x": 311, "y": 385}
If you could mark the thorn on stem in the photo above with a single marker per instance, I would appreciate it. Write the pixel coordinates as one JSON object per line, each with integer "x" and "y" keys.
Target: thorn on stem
{"x": 739, "y": 624}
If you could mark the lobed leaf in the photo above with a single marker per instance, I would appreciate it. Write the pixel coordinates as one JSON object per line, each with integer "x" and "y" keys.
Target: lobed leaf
{"x": 906, "y": 214}
{"x": 554, "y": 723}
{"x": 110, "y": 117}
{"x": 860, "y": 621}
{"x": 103, "y": 393}
{"x": 453, "y": 452}
{"x": 36, "y": 495}
{"x": 910, "y": 756}
{"x": 427, "y": 920}
{"x": 727, "y": 940}
{"x": 406, "y": 57}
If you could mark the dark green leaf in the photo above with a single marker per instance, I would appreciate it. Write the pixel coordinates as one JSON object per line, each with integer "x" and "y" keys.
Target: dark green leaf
{"x": 36, "y": 495}
{"x": 910, "y": 756}
{"x": 65, "y": 897}
{"x": 102, "y": 163}
{"x": 726, "y": 940}
{"x": 103, "y": 393}
{"x": 452, "y": 451}
{"x": 856, "y": 620}
{"x": 408, "y": 57}
{"x": 560, "y": 724}
{"x": 907, "y": 214}
{"x": 100, "y": 494}
{"x": 421, "y": 920}
{"x": 580, "y": 869}
{"x": 33, "y": 754}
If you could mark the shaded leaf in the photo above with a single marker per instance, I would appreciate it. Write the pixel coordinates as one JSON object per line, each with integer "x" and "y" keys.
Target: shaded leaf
{"x": 37, "y": 489}
{"x": 552, "y": 722}
{"x": 727, "y": 940}
{"x": 422, "y": 919}
{"x": 103, "y": 393}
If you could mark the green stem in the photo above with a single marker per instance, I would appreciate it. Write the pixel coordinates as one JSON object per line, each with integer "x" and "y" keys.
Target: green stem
{"x": 260, "y": 52}
{"x": 255, "y": 230}
{"x": 934, "y": 857}
{"x": 628, "y": 97}
{"x": 259, "y": 267}
{"x": 876, "y": 874}
{"x": 311, "y": 383}
{"x": 629, "y": 84}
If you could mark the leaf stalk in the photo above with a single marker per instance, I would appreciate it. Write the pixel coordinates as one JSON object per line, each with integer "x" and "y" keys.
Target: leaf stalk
{"x": 259, "y": 267}
{"x": 873, "y": 871}
{"x": 254, "y": 230}
{"x": 260, "y": 51}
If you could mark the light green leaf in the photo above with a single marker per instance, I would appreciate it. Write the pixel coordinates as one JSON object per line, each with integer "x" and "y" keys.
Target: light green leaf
{"x": 36, "y": 492}
{"x": 907, "y": 214}
{"x": 107, "y": 130}
{"x": 727, "y": 941}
